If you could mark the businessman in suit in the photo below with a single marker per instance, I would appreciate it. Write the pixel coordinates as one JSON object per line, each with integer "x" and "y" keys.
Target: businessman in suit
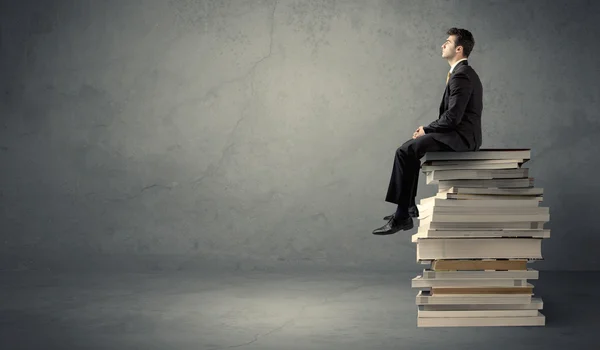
{"x": 458, "y": 129}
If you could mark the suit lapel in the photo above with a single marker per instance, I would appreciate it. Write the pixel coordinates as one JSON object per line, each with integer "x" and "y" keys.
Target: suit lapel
{"x": 444, "y": 103}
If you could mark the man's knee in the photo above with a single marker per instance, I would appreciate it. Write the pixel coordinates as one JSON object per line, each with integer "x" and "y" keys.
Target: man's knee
{"x": 417, "y": 147}
{"x": 402, "y": 150}
{"x": 407, "y": 149}
{"x": 405, "y": 146}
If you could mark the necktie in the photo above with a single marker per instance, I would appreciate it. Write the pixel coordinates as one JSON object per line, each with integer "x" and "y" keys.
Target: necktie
{"x": 447, "y": 77}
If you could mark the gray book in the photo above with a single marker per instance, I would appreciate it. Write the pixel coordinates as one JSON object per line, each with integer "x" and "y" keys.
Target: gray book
{"x": 482, "y": 154}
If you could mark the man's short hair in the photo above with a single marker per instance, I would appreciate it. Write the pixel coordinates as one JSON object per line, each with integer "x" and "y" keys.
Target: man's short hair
{"x": 464, "y": 38}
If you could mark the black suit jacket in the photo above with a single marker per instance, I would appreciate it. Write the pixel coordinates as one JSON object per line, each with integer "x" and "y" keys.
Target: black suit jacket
{"x": 459, "y": 121}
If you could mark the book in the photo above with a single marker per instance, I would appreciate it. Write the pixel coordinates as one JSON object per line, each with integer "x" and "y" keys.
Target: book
{"x": 422, "y": 282}
{"x": 530, "y": 191}
{"x": 528, "y": 290}
{"x": 492, "y": 202}
{"x": 479, "y": 248}
{"x": 428, "y": 224}
{"x": 538, "y": 320}
{"x": 485, "y": 214}
{"x": 487, "y": 183}
{"x": 476, "y": 274}
{"x": 479, "y": 265}
{"x": 481, "y": 154}
{"x": 508, "y": 233}
{"x": 435, "y": 176}
{"x": 427, "y": 298}
{"x": 472, "y": 165}
{"x": 535, "y": 303}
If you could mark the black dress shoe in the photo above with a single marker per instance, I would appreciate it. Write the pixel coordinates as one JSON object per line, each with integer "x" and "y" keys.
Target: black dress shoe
{"x": 394, "y": 226}
{"x": 412, "y": 212}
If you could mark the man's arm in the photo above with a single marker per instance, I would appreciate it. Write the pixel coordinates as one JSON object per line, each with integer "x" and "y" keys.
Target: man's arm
{"x": 460, "y": 91}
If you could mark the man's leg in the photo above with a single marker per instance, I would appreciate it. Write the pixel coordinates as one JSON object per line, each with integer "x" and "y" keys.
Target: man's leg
{"x": 412, "y": 206}
{"x": 404, "y": 179}
{"x": 413, "y": 211}
{"x": 407, "y": 164}
{"x": 401, "y": 169}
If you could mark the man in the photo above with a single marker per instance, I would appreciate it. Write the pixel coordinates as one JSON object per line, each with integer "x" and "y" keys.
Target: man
{"x": 458, "y": 128}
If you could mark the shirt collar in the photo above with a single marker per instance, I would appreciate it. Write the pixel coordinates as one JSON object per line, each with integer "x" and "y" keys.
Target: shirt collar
{"x": 454, "y": 65}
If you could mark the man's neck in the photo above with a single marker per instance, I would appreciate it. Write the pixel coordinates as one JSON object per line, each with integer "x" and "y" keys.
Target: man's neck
{"x": 453, "y": 62}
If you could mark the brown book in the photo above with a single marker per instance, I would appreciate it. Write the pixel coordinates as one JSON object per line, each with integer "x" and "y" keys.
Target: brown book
{"x": 473, "y": 265}
{"x": 482, "y": 290}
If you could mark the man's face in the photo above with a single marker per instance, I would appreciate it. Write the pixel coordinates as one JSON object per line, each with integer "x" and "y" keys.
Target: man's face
{"x": 449, "y": 48}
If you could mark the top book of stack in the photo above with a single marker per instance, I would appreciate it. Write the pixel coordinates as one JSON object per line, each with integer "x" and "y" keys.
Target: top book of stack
{"x": 523, "y": 154}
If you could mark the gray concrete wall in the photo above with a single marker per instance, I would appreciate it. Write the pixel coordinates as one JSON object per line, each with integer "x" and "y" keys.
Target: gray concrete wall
{"x": 172, "y": 134}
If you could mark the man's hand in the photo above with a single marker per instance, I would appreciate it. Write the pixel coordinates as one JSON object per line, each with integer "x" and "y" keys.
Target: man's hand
{"x": 420, "y": 132}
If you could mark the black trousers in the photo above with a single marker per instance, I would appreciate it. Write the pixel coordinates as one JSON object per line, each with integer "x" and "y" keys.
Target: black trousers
{"x": 402, "y": 189}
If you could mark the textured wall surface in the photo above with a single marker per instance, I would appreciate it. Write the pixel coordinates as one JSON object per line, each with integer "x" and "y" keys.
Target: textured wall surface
{"x": 176, "y": 133}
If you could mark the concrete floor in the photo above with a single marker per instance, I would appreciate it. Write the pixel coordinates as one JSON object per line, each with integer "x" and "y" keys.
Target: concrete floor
{"x": 267, "y": 310}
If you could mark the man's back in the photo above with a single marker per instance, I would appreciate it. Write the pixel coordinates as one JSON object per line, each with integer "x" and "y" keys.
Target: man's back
{"x": 469, "y": 127}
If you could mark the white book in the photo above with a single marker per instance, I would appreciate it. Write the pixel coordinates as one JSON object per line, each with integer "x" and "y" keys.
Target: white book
{"x": 427, "y": 224}
{"x": 509, "y": 202}
{"x": 481, "y": 154}
{"x": 466, "y": 196}
{"x": 483, "y": 210}
{"x": 425, "y": 298}
{"x": 422, "y": 282}
{"x": 445, "y": 185}
{"x": 529, "y": 191}
{"x": 422, "y": 233}
{"x": 529, "y": 274}
{"x": 538, "y": 320}
{"x": 438, "y": 175}
{"x": 472, "y": 165}
{"x": 473, "y": 161}
{"x": 484, "y": 217}
{"x": 476, "y": 313}
{"x": 536, "y": 304}
{"x": 479, "y": 248}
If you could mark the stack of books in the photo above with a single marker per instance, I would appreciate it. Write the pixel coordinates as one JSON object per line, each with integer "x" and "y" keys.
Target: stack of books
{"x": 478, "y": 234}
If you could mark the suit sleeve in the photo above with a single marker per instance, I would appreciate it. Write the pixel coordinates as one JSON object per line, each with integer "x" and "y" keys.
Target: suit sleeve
{"x": 460, "y": 91}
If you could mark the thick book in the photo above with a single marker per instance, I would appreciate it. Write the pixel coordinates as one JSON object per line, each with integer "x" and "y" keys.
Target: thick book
{"x": 479, "y": 265}
{"x": 528, "y": 191}
{"x": 493, "y": 197}
{"x": 481, "y": 154}
{"x": 428, "y": 224}
{"x": 484, "y": 215}
{"x": 486, "y": 321}
{"x": 422, "y": 282}
{"x": 536, "y": 303}
{"x": 479, "y": 248}
{"x": 435, "y": 176}
{"x": 530, "y": 274}
{"x": 445, "y": 185}
{"x": 426, "y": 298}
{"x": 472, "y": 165}
{"x": 439, "y": 201}
{"x": 484, "y": 210}
{"x": 508, "y": 233}
{"x": 482, "y": 290}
